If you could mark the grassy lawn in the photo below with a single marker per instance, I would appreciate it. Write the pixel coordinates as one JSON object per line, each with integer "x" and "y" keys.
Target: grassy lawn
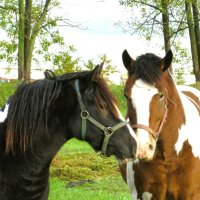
{"x": 77, "y": 162}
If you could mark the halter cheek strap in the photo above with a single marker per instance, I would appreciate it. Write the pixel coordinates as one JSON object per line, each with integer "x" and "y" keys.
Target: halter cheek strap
{"x": 154, "y": 133}
{"x": 108, "y": 131}
{"x": 84, "y": 113}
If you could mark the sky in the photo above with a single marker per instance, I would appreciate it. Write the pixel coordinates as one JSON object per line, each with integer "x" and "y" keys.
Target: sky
{"x": 101, "y": 35}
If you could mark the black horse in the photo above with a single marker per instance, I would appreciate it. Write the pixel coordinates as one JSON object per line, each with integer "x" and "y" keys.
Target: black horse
{"x": 45, "y": 114}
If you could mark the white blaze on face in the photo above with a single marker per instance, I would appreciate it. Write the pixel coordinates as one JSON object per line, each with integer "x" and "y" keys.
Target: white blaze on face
{"x": 4, "y": 113}
{"x": 141, "y": 95}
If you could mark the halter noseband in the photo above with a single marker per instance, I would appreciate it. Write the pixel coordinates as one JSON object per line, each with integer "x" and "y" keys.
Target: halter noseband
{"x": 85, "y": 115}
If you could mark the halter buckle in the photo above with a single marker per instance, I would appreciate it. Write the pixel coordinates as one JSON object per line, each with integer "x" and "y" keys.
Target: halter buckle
{"x": 84, "y": 114}
{"x": 108, "y": 131}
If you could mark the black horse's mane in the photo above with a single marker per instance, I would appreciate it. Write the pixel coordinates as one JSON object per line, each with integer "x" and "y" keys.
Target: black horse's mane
{"x": 29, "y": 107}
{"x": 147, "y": 67}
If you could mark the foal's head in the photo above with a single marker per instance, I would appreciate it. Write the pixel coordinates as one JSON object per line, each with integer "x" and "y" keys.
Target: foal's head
{"x": 146, "y": 90}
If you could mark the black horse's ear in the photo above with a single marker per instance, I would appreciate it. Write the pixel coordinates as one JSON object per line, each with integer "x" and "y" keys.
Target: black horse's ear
{"x": 167, "y": 60}
{"x": 97, "y": 71}
{"x": 127, "y": 60}
{"x": 49, "y": 74}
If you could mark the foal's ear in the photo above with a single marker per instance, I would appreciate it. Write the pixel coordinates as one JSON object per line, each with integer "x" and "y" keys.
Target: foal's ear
{"x": 167, "y": 60}
{"x": 127, "y": 60}
{"x": 97, "y": 71}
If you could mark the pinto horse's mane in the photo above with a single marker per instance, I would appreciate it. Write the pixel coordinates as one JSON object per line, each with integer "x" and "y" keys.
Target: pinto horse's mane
{"x": 147, "y": 68}
{"x": 30, "y": 103}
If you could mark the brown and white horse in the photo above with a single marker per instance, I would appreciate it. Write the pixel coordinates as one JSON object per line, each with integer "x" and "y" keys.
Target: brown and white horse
{"x": 166, "y": 119}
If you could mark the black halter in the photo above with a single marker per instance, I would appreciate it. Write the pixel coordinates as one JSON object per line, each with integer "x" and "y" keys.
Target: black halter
{"x": 85, "y": 115}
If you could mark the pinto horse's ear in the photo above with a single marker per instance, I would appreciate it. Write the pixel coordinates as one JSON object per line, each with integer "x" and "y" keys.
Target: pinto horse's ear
{"x": 97, "y": 71}
{"x": 167, "y": 60}
{"x": 127, "y": 60}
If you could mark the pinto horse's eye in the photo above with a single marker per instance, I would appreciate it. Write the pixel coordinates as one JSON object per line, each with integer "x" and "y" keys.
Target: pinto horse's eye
{"x": 161, "y": 96}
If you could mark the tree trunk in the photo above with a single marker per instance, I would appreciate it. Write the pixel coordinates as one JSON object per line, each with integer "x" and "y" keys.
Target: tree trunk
{"x": 193, "y": 41}
{"x": 21, "y": 40}
{"x": 196, "y": 26}
{"x": 30, "y": 36}
{"x": 165, "y": 24}
{"x": 27, "y": 33}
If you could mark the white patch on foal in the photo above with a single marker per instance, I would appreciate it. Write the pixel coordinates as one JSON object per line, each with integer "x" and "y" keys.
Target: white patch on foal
{"x": 146, "y": 196}
{"x": 4, "y": 113}
{"x": 130, "y": 180}
{"x": 189, "y": 131}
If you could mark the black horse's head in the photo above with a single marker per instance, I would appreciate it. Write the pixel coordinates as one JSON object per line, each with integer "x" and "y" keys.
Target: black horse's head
{"x": 95, "y": 116}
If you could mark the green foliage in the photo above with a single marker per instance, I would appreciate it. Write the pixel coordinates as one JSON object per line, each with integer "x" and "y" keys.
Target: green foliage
{"x": 8, "y": 46}
{"x": 64, "y": 62}
{"x": 47, "y": 36}
{"x": 6, "y": 89}
{"x": 108, "y": 67}
{"x": 196, "y": 85}
{"x": 148, "y": 23}
{"x": 178, "y": 73}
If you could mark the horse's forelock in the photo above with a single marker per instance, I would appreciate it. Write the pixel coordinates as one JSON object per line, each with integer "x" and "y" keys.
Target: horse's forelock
{"x": 147, "y": 67}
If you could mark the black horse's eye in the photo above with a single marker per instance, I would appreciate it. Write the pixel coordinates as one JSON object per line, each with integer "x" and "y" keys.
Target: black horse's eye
{"x": 127, "y": 97}
{"x": 126, "y": 94}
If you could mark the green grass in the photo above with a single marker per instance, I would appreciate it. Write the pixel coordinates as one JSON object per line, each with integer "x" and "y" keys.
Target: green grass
{"x": 77, "y": 161}
{"x": 118, "y": 91}
{"x": 107, "y": 189}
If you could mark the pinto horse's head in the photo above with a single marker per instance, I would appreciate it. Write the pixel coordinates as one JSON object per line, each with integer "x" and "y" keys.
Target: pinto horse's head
{"x": 146, "y": 90}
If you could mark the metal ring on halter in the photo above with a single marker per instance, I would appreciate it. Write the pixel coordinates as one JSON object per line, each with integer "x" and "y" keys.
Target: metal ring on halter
{"x": 108, "y": 131}
{"x": 84, "y": 114}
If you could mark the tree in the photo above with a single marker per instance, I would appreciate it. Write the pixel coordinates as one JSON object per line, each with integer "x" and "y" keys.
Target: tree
{"x": 154, "y": 17}
{"x": 26, "y": 23}
{"x": 64, "y": 62}
{"x": 108, "y": 69}
{"x": 193, "y": 18}
{"x": 173, "y": 18}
